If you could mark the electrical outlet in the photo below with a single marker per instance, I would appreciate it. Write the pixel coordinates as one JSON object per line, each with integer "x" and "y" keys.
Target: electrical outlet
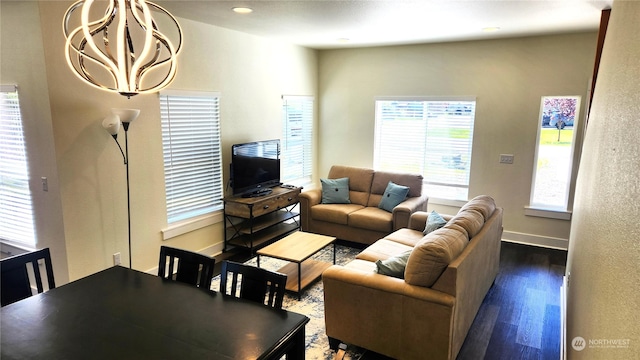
{"x": 116, "y": 259}
{"x": 506, "y": 158}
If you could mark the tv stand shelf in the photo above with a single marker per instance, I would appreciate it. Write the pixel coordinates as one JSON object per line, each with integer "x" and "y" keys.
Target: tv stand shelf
{"x": 256, "y": 221}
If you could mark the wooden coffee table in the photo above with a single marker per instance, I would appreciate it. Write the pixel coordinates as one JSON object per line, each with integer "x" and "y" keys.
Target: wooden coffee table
{"x": 297, "y": 248}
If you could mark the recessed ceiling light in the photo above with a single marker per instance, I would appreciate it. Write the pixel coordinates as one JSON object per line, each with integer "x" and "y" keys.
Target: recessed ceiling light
{"x": 491, "y": 29}
{"x": 242, "y": 10}
{"x": 344, "y": 40}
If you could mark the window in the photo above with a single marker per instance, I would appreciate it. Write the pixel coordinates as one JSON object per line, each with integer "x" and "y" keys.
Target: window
{"x": 432, "y": 137}
{"x": 297, "y": 123}
{"x": 192, "y": 153}
{"x": 554, "y": 152}
{"x": 16, "y": 210}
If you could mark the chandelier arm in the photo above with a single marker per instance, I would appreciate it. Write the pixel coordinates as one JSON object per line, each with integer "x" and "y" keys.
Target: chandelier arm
{"x": 120, "y": 61}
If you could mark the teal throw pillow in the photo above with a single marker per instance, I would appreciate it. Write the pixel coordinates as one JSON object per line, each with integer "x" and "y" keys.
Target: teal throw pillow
{"x": 434, "y": 222}
{"x": 335, "y": 191}
{"x": 393, "y": 266}
{"x": 393, "y": 195}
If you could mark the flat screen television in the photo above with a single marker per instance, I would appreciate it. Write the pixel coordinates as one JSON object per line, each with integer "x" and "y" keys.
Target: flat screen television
{"x": 255, "y": 167}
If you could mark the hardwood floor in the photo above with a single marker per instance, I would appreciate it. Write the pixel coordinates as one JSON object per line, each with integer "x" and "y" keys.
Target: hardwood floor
{"x": 520, "y": 316}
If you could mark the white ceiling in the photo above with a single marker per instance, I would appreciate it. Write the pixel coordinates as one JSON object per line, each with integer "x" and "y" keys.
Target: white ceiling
{"x": 321, "y": 24}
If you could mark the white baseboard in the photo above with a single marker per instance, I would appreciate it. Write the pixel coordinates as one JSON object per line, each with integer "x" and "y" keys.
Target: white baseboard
{"x": 535, "y": 240}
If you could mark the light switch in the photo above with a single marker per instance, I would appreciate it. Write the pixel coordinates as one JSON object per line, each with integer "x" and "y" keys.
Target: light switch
{"x": 45, "y": 184}
{"x": 506, "y": 158}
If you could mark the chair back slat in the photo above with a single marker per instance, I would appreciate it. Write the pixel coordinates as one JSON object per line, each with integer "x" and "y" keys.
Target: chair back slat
{"x": 193, "y": 268}
{"x": 16, "y": 284}
{"x": 255, "y": 284}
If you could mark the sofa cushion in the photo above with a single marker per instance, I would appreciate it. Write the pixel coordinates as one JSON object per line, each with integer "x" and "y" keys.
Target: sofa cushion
{"x": 335, "y": 191}
{"x": 432, "y": 255}
{"x": 334, "y": 213}
{"x": 393, "y": 195}
{"x": 405, "y": 236}
{"x": 371, "y": 218}
{"x": 359, "y": 182}
{"x": 470, "y": 220}
{"x": 393, "y": 266}
{"x": 382, "y": 178}
{"x": 382, "y": 250}
{"x": 481, "y": 203}
{"x": 434, "y": 222}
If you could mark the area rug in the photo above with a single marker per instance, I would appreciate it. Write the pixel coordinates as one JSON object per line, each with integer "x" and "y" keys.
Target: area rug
{"x": 311, "y": 304}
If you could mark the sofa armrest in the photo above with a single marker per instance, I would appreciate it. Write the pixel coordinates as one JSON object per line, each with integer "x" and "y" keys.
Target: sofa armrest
{"x": 402, "y": 212}
{"x": 308, "y": 199}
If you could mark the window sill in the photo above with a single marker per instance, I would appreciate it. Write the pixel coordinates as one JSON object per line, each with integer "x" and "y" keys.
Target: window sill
{"x": 547, "y": 213}
{"x": 192, "y": 224}
{"x": 447, "y": 202}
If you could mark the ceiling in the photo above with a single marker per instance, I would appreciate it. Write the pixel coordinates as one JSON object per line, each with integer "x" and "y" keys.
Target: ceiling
{"x": 328, "y": 24}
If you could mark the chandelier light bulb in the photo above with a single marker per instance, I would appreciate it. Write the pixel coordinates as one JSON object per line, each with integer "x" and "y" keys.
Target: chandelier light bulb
{"x": 120, "y": 48}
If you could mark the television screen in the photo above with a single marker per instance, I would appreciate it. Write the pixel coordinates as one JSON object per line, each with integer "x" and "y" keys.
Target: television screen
{"x": 255, "y": 166}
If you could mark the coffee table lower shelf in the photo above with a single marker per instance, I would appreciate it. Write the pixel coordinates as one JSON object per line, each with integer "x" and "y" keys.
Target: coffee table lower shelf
{"x": 310, "y": 270}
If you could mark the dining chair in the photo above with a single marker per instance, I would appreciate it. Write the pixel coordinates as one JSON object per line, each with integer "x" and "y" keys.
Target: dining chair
{"x": 193, "y": 268}
{"x": 256, "y": 284}
{"x": 16, "y": 275}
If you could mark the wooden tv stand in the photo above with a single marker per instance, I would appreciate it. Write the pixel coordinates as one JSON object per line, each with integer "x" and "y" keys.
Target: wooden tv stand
{"x": 253, "y": 222}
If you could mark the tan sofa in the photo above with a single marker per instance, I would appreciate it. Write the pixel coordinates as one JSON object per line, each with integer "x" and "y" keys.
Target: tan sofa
{"x": 361, "y": 221}
{"x": 427, "y": 314}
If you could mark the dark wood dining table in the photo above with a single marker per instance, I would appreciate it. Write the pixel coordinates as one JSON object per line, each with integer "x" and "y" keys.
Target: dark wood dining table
{"x": 120, "y": 313}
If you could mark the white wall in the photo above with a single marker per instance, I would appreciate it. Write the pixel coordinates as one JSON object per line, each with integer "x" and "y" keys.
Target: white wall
{"x": 250, "y": 72}
{"x": 20, "y": 35}
{"x": 604, "y": 248}
{"x": 507, "y": 76}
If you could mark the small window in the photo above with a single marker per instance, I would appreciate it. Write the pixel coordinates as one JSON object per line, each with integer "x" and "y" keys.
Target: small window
{"x": 554, "y": 152}
{"x": 432, "y": 137}
{"x": 16, "y": 209}
{"x": 297, "y": 123}
{"x": 192, "y": 154}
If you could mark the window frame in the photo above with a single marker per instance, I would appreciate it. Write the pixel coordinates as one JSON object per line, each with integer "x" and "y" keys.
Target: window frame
{"x": 540, "y": 209}
{"x": 206, "y": 215}
{"x": 291, "y": 138}
{"x": 25, "y": 226}
{"x": 429, "y": 180}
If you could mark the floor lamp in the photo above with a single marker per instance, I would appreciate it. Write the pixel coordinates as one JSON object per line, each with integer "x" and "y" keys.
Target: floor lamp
{"x": 112, "y": 124}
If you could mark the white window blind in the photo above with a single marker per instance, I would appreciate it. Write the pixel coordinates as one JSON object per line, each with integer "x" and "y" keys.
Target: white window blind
{"x": 430, "y": 137}
{"x": 192, "y": 154}
{"x": 297, "y": 122}
{"x": 16, "y": 211}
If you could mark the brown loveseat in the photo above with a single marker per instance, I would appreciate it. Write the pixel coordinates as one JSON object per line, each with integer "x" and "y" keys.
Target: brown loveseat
{"x": 427, "y": 314}
{"x": 361, "y": 220}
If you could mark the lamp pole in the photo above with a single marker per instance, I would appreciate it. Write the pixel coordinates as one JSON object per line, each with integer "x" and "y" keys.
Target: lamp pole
{"x": 126, "y": 163}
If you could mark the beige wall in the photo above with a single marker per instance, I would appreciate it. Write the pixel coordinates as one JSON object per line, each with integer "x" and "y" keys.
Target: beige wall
{"x": 508, "y": 77}
{"x": 604, "y": 252}
{"x": 251, "y": 73}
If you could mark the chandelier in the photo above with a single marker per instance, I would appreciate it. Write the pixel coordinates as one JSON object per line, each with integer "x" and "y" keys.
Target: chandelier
{"x": 116, "y": 45}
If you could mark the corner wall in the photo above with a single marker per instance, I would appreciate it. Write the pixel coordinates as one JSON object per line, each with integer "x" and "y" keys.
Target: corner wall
{"x": 508, "y": 77}
{"x": 90, "y": 220}
{"x": 603, "y": 303}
